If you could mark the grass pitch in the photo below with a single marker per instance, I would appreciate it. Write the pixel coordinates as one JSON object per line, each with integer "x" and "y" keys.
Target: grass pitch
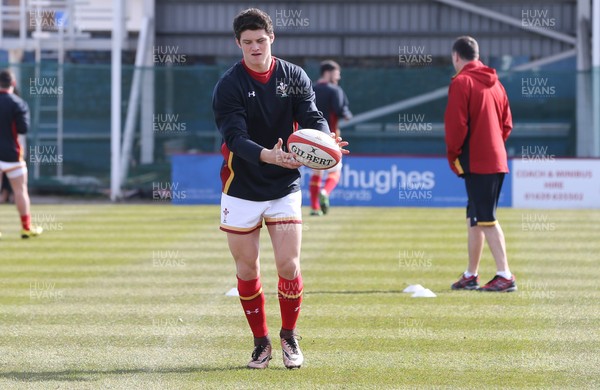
{"x": 133, "y": 297}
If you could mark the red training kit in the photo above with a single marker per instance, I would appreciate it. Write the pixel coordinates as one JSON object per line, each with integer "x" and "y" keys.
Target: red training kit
{"x": 253, "y": 302}
{"x": 314, "y": 187}
{"x": 290, "y": 300}
{"x": 26, "y": 221}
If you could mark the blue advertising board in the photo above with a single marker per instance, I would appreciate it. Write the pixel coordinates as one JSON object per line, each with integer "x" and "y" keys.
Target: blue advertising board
{"x": 365, "y": 181}
{"x": 197, "y": 176}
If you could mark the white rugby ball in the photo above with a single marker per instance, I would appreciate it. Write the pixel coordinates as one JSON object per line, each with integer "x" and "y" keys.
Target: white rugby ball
{"x": 314, "y": 149}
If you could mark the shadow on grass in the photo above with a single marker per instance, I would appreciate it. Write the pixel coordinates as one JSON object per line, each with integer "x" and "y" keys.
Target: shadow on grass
{"x": 93, "y": 375}
{"x": 363, "y": 292}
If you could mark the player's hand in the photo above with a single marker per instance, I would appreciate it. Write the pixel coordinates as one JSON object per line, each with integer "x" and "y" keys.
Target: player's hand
{"x": 277, "y": 156}
{"x": 340, "y": 143}
{"x": 455, "y": 170}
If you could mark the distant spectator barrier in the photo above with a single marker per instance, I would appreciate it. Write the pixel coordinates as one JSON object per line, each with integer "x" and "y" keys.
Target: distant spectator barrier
{"x": 365, "y": 181}
{"x": 415, "y": 182}
{"x": 548, "y": 183}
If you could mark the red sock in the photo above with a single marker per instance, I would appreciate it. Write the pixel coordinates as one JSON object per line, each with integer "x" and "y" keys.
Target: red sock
{"x": 26, "y": 221}
{"x": 290, "y": 300}
{"x": 253, "y": 303}
{"x": 333, "y": 178}
{"x": 314, "y": 188}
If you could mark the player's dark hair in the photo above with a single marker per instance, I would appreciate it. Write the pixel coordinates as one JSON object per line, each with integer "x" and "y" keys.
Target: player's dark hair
{"x": 466, "y": 47}
{"x": 252, "y": 19}
{"x": 329, "y": 65}
{"x": 7, "y": 79}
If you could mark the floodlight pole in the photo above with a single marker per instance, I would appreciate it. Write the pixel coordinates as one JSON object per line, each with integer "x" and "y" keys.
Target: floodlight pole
{"x": 115, "y": 112}
{"x": 583, "y": 130}
{"x": 596, "y": 76}
{"x": 596, "y": 34}
{"x": 134, "y": 100}
{"x": 147, "y": 103}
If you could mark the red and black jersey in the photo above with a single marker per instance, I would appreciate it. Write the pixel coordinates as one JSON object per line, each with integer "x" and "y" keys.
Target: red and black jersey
{"x": 252, "y": 111}
{"x": 332, "y": 102}
{"x": 14, "y": 120}
{"x": 478, "y": 121}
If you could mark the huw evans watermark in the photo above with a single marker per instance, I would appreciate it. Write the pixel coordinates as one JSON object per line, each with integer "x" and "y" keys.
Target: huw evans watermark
{"x": 413, "y": 55}
{"x": 45, "y": 155}
{"x": 414, "y": 259}
{"x": 168, "y": 55}
{"x": 413, "y": 123}
{"x": 537, "y": 87}
{"x": 537, "y": 18}
{"x": 167, "y": 191}
{"x": 168, "y": 258}
{"x": 291, "y": 18}
{"x": 168, "y": 123}
{"x": 45, "y": 87}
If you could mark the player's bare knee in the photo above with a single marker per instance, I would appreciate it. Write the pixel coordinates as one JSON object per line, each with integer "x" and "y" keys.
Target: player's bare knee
{"x": 288, "y": 268}
{"x": 247, "y": 271}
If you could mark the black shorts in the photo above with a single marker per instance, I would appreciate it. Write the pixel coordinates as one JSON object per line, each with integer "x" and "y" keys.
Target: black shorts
{"x": 483, "y": 192}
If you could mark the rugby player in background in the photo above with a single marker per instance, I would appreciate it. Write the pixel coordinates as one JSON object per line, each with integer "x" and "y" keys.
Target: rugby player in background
{"x": 333, "y": 103}
{"x": 14, "y": 120}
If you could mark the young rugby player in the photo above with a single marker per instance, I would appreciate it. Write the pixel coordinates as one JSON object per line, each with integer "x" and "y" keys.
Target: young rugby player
{"x": 258, "y": 103}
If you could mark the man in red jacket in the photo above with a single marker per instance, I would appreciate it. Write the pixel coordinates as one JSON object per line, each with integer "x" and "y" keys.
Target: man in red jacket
{"x": 477, "y": 123}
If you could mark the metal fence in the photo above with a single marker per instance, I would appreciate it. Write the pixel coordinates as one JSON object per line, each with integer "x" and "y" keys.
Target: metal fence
{"x": 543, "y": 105}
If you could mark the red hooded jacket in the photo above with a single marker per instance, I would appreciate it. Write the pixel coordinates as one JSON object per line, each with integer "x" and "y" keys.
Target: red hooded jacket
{"x": 477, "y": 121}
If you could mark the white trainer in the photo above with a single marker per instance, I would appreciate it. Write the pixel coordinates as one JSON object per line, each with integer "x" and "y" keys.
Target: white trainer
{"x": 260, "y": 357}
{"x": 292, "y": 355}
